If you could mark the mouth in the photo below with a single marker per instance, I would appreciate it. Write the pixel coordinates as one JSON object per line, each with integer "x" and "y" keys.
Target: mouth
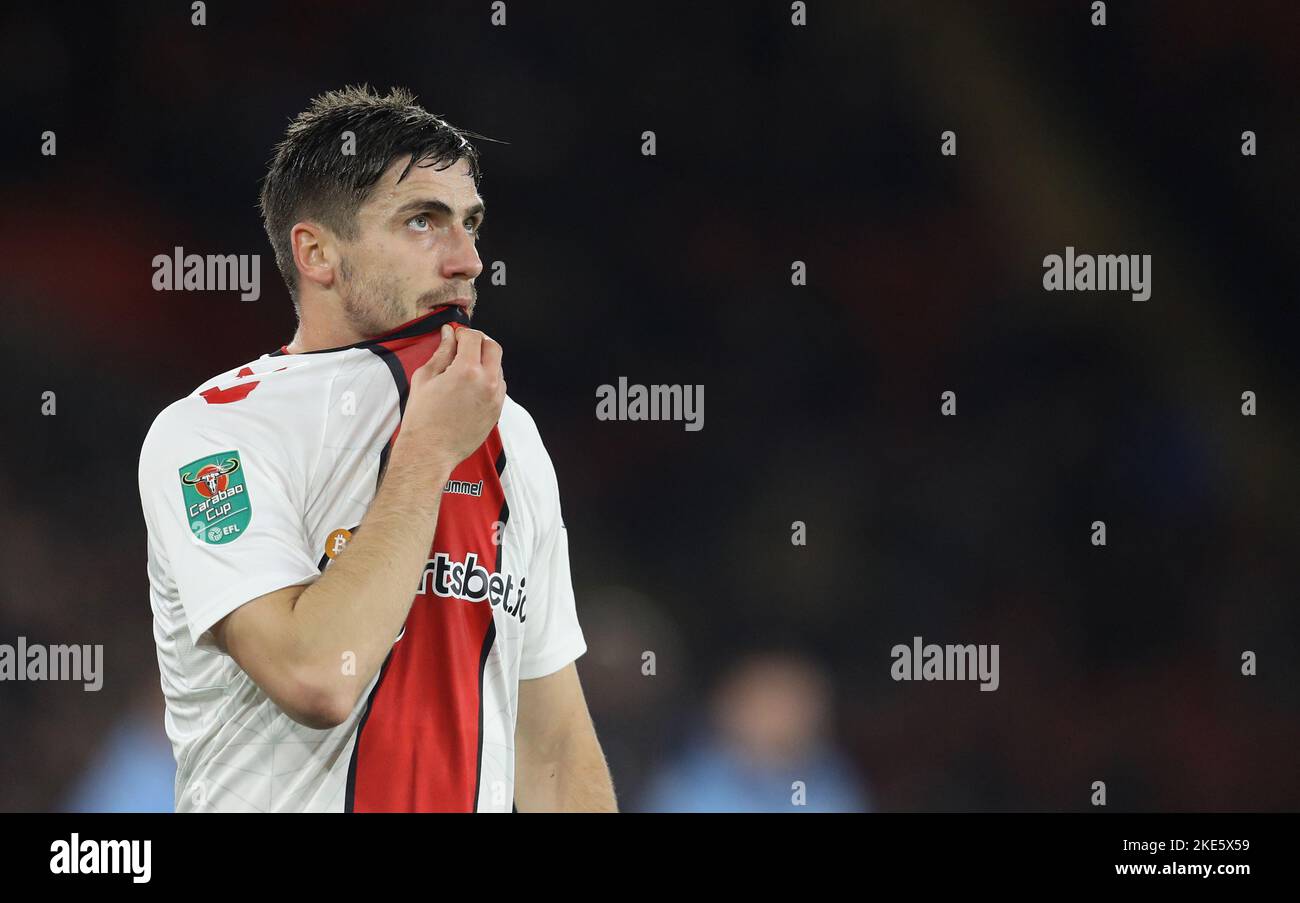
{"x": 462, "y": 303}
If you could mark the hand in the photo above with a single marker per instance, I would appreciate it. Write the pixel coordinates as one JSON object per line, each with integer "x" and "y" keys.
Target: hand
{"x": 456, "y": 397}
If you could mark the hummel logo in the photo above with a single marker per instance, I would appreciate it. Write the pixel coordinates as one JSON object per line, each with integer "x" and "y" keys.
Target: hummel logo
{"x": 461, "y": 487}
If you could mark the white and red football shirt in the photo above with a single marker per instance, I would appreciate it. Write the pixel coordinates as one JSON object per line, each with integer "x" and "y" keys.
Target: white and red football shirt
{"x": 253, "y": 483}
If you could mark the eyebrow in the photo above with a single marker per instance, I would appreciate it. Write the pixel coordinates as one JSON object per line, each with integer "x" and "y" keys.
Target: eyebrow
{"x": 436, "y": 206}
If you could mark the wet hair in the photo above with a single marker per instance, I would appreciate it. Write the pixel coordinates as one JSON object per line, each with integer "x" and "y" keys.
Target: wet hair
{"x": 310, "y": 176}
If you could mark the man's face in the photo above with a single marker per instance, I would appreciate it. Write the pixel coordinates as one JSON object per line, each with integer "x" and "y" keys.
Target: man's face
{"x": 415, "y": 247}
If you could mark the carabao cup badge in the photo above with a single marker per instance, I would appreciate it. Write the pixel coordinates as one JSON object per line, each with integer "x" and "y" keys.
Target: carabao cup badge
{"x": 216, "y": 498}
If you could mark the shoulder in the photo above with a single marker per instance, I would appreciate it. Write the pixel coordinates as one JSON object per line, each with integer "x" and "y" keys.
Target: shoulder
{"x": 522, "y": 440}
{"x": 527, "y": 461}
{"x": 273, "y": 404}
{"x": 518, "y": 428}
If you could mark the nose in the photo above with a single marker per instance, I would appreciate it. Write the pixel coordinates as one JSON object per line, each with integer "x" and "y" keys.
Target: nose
{"x": 461, "y": 260}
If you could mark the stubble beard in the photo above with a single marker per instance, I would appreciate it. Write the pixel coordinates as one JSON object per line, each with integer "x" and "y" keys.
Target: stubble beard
{"x": 371, "y": 304}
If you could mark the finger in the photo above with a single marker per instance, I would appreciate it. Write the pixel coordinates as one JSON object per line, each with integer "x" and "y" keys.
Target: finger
{"x": 444, "y": 353}
{"x": 469, "y": 345}
{"x": 491, "y": 354}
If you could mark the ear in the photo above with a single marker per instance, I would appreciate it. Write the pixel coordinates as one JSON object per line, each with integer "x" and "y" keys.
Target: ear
{"x": 315, "y": 253}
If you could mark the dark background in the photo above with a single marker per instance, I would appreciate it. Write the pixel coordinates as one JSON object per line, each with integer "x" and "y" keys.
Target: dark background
{"x": 775, "y": 143}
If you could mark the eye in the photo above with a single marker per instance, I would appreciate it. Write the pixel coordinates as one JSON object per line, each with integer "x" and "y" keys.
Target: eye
{"x": 419, "y": 222}
{"x": 476, "y": 228}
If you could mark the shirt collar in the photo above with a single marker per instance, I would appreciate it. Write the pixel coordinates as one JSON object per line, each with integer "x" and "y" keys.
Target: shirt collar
{"x": 421, "y": 325}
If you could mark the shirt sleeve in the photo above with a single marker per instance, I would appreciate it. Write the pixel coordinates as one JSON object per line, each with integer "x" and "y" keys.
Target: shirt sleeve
{"x": 224, "y": 510}
{"x": 552, "y": 635}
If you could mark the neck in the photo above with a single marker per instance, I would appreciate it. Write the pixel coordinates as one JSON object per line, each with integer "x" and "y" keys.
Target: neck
{"x": 316, "y": 337}
{"x": 320, "y": 326}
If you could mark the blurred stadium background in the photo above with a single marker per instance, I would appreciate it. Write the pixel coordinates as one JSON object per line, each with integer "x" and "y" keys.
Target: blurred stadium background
{"x": 775, "y": 144}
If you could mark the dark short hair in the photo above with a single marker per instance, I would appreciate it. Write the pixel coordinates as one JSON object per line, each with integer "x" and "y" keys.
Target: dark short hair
{"x": 310, "y": 177}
